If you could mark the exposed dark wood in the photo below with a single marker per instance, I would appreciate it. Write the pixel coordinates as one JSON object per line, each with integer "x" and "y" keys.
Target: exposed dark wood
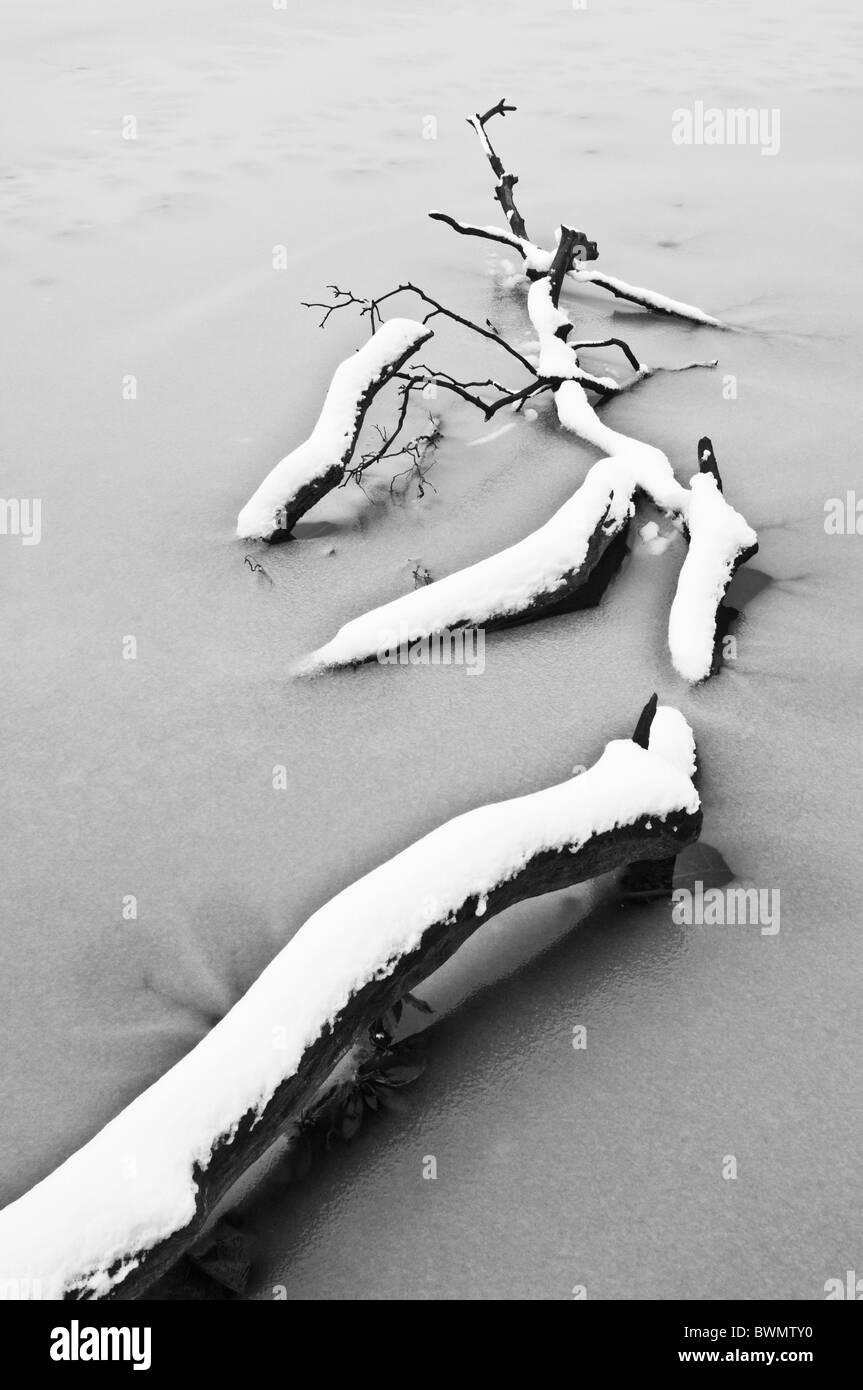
{"x": 577, "y": 589}
{"x": 647, "y": 879}
{"x": 641, "y": 736}
{"x": 560, "y": 265}
{"x": 500, "y": 108}
{"x": 707, "y": 460}
{"x": 506, "y": 182}
{"x": 726, "y": 615}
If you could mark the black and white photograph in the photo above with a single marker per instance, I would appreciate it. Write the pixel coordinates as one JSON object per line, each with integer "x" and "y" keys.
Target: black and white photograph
{"x": 430, "y": 575}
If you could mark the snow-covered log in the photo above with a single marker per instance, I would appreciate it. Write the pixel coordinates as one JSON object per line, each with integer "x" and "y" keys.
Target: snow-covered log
{"x": 318, "y": 465}
{"x": 548, "y": 572}
{"x": 118, "y": 1213}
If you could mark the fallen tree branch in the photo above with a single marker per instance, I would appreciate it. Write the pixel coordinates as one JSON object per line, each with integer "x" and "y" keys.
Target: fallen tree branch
{"x": 373, "y": 309}
{"x": 568, "y": 563}
{"x": 558, "y": 361}
{"x": 506, "y": 182}
{"x": 545, "y": 574}
{"x": 558, "y": 357}
{"x": 488, "y": 233}
{"x": 647, "y": 299}
{"x": 580, "y": 250}
{"x": 342, "y": 299}
{"x": 92, "y": 1229}
{"x": 387, "y": 439}
{"x": 304, "y": 476}
{"x": 720, "y": 541}
{"x": 489, "y": 409}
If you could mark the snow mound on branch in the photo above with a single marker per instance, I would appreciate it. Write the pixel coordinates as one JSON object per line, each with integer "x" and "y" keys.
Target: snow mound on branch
{"x": 672, "y": 738}
{"x": 718, "y": 536}
{"x": 509, "y": 582}
{"x": 133, "y": 1184}
{"x": 333, "y": 439}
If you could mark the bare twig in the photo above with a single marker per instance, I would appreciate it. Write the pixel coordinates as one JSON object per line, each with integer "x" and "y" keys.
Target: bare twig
{"x": 448, "y": 385}
{"x": 609, "y": 342}
{"x": 417, "y": 450}
{"x": 438, "y": 308}
{"x": 500, "y": 109}
{"x": 444, "y": 377}
{"x": 371, "y": 307}
{"x": 383, "y": 452}
{"x": 257, "y": 568}
{"x": 421, "y": 576}
{"x": 488, "y": 408}
{"x": 346, "y": 297}
{"x": 518, "y": 398}
{"x": 643, "y": 373}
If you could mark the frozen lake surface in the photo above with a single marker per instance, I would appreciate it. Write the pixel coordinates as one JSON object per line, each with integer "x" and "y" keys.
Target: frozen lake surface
{"x": 152, "y": 258}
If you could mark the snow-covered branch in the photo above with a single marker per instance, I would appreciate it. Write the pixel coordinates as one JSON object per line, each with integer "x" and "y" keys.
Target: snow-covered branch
{"x": 538, "y": 260}
{"x": 487, "y": 233}
{"x": 568, "y": 563}
{"x": 546, "y": 573}
{"x": 648, "y": 299}
{"x": 558, "y": 357}
{"x": 118, "y": 1213}
{"x": 318, "y": 465}
{"x": 506, "y": 182}
{"x": 720, "y": 541}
